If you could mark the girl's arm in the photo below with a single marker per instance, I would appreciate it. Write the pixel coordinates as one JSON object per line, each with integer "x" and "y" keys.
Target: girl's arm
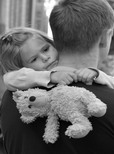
{"x": 90, "y": 75}
{"x": 105, "y": 79}
{"x": 26, "y": 78}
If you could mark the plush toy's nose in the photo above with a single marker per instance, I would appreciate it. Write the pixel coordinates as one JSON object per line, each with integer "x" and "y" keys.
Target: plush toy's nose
{"x": 32, "y": 98}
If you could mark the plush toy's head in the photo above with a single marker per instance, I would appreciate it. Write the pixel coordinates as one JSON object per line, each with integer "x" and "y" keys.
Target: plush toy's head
{"x": 32, "y": 103}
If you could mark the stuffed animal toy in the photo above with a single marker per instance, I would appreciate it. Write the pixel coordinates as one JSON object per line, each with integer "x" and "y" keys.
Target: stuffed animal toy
{"x": 67, "y": 103}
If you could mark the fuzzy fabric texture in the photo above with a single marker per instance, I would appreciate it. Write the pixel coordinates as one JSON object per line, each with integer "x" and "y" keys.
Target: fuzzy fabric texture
{"x": 63, "y": 102}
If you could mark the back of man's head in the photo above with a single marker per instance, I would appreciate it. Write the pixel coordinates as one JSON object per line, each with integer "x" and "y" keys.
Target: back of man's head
{"x": 78, "y": 24}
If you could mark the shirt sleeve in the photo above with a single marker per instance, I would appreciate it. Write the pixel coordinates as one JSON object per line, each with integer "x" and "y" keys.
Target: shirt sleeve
{"x": 26, "y": 78}
{"x": 105, "y": 79}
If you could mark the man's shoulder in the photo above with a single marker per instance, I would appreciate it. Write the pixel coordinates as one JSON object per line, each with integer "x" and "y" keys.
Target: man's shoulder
{"x": 7, "y": 96}
{"x": 102, "y": 92}
{"x": 93, "y": 86}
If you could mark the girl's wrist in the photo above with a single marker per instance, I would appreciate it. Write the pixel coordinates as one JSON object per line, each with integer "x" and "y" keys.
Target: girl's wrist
{"x": 96, "y": 70}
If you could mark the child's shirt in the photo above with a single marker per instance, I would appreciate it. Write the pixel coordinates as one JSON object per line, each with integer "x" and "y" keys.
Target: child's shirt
{"x": 26, "y": 78}
{"x": 105, "y": 79}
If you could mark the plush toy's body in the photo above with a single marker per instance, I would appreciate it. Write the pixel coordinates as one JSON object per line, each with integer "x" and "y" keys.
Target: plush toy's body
{"x": 71, "y": 104}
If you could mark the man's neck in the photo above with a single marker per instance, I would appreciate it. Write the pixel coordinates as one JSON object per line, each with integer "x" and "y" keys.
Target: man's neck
{"x": 77, "y": 60}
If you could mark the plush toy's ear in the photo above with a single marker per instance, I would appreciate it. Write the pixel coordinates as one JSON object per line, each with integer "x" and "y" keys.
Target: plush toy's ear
{"x": 17, "y": 95}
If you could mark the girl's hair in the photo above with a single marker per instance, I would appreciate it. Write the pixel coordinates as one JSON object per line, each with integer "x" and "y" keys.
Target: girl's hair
{"x": 11, "y": 45}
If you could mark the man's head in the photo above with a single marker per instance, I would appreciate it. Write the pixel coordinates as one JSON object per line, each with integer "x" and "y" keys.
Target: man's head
{"x": 78, "y": 24}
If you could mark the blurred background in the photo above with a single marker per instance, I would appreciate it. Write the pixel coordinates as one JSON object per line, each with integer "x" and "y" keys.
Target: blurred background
{"x": 35, "y": 14}
{"x": 30, "y": 13}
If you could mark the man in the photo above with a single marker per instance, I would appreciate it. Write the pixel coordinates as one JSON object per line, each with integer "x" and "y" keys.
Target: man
{"x": 82, "y": 32}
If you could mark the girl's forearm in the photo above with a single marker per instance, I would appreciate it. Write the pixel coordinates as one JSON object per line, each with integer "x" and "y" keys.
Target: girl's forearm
{"x": 26, "y": 78}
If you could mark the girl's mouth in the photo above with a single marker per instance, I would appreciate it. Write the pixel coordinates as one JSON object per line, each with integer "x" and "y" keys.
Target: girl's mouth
{"x": 52, "y": 65}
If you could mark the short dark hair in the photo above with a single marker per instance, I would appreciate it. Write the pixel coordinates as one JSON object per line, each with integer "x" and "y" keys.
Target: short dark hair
{"x": 78, "y": 24}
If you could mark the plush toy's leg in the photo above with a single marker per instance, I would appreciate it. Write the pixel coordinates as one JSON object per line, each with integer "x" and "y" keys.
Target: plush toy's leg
{"x": 94, "y": 105}
{"x": 80, "y": 126}
{"x": 51, "y": 130}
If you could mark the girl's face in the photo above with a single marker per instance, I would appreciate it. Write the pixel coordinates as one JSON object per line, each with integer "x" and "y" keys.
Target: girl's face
{"x": 39, "y": 54}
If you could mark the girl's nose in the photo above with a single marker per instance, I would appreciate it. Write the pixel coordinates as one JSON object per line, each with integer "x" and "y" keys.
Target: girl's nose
{"x": 45, "y": 58}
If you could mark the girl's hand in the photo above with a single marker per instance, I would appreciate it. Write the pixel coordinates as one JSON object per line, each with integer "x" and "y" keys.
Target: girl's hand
{"x": 86, "y": 75}
{"x": 61, "y": 77}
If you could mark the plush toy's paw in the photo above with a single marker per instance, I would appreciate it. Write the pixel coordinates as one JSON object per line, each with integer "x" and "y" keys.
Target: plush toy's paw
{"x": 78, "y": 131}
{"x": 97, "y": 109}
{"x": 50, "y": 136}
{"x": 50, "y": 139}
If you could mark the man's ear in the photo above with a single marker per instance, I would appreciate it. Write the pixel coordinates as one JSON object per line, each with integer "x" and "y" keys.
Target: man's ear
{"x": 104, "y": 37}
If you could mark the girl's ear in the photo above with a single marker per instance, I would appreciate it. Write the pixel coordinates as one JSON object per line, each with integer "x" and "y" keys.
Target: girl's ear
{"x": 104, "y": 37}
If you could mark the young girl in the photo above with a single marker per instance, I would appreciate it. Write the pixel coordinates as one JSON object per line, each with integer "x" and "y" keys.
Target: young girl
{"x": 28, "y": 59}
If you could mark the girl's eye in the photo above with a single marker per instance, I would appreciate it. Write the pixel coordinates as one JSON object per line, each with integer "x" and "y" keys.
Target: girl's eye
{"x": 46, "y": 48}
{"x": 33, "y": 60}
